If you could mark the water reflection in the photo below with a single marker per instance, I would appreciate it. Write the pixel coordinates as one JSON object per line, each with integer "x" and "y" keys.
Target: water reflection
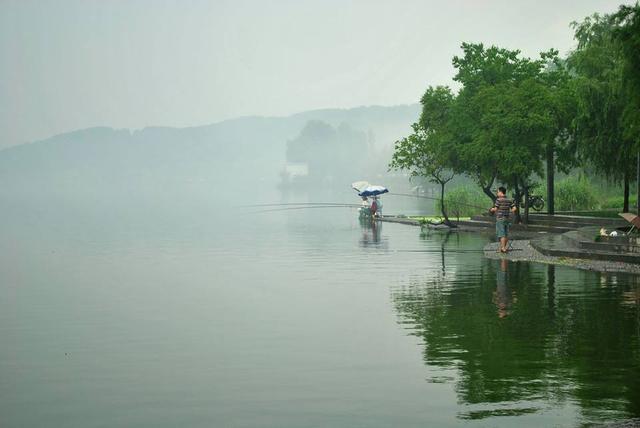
{"x": 444, "y": 238}
{"x": 561, "y": 337}
{"x": 503, "y": 297}
{"x": 371, "y": 230}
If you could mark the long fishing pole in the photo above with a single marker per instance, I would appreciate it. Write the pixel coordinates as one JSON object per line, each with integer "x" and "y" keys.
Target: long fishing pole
{"x": 439, "y": 251}
{"x": 435, "y": 199}
{"x": 339, "y": 204}
{"x": 306, "y": 207}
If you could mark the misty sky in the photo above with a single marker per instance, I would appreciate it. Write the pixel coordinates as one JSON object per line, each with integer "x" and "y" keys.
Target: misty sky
{"x": 66, "y": 65}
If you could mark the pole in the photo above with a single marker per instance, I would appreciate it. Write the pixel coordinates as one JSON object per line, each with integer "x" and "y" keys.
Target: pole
{"x": 550, "y": 180}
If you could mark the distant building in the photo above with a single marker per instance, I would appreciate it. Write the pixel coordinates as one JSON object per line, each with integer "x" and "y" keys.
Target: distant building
{"x": 296, "y": 169}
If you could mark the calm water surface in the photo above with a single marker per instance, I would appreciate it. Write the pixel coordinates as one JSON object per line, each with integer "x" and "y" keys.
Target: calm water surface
{"x": 154, "y": 317}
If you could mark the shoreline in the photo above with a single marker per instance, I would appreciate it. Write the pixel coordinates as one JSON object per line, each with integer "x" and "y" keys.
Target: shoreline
{"x": 525, "y": 252}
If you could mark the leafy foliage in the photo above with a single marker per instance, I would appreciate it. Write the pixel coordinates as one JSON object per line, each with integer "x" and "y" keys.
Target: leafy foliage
{"x": 465, "y": 202}
{"x": 575, "y": 193}
{"x": 513, "y": 115}
{"x": 603, "y": 102}
{"x": 430, "y": 150}
{"x": 627, "y": 34}
{"x": 509, "y": 113}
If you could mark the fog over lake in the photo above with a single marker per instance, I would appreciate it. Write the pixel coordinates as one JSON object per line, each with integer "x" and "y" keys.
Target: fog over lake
{"x": 167, "y": 260}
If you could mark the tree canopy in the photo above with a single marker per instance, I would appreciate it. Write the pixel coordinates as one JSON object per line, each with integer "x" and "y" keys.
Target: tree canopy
{"x": 606, "y": 111}
{"x": 515, "y": 119}
{"x": 430, "y": 150}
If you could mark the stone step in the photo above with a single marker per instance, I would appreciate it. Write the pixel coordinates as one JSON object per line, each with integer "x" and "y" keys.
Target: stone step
{"x": 577, "y": 239}
{"x": 571, "y": 238}
{"x": 558, "y": 246}
{"x": 587, "y": 221}
{"x": 542, "y": 228}
{"x": 608, "y": 223}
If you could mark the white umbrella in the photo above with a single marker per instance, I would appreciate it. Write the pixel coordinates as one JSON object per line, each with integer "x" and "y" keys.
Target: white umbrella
{"x": 359, "y": 186}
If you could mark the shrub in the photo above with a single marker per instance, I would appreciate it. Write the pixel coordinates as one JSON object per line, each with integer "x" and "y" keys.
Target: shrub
{"x": 617, "y": 202}
{"x": 575, "y": 193}
{"x": 465, "y": 202}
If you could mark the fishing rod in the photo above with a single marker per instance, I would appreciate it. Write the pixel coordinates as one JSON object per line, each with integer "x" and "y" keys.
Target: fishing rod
{"x": 339, "y": 204}
{"x": 435, "y": 199}
{"x": 306, "y": 207}
{"x": 439, "y": 251}
{"x": 353, "y": 205}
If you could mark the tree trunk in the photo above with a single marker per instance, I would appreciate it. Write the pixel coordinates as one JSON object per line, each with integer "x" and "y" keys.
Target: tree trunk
{"x": 526, "y": 204}
{"x": 442, "y": 207}
{"x": 550, "y": 180}
{"x": 638, "y": 184}
{"x": 625, "y": 208}
{"x": 487, "y": 189}
{"x": 517, "y": 197}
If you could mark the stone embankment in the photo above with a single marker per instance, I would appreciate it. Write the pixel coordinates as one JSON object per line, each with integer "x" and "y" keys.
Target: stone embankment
{"x": 561, "y": 239}
{"x": 523, "y": 250}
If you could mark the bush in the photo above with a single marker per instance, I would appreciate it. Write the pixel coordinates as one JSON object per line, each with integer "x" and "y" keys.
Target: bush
{"x": 575, "y": 193}
{"x": 618, "y": 202}
{"x": 465, "y": 202}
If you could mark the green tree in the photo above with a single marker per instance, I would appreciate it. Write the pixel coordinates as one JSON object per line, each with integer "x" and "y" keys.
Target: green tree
{"x": 503, "y": 119}
{"x": 430, "y": 151}
{"x": 604, "y": 101}
{"x": 627, "y": 33}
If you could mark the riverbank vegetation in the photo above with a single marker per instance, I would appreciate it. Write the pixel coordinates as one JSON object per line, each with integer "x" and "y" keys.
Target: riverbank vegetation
{"x": 519, "y": 121}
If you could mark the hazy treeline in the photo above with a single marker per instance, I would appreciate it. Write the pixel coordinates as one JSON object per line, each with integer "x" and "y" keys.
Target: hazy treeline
{"x": 240, "y": 158}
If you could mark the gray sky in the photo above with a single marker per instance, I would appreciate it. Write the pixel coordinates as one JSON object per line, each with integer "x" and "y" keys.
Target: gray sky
{"x": 66, "y": 65}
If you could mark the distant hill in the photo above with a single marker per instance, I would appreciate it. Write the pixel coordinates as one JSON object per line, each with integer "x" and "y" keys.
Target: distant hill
{"x": 236, "y": 154}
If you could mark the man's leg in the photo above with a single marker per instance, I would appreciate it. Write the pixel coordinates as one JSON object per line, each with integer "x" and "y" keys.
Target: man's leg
{"x": 500, "y": 230}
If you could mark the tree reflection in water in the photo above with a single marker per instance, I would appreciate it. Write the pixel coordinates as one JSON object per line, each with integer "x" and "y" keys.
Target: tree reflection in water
{"x": 561, "y": 337}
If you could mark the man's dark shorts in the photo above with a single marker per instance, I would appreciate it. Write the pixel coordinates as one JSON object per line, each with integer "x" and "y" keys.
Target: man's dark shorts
{"x": 502, "y": 228}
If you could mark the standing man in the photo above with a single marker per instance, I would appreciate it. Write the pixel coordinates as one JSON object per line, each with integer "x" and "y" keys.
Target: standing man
{"x": 503, "y": 209}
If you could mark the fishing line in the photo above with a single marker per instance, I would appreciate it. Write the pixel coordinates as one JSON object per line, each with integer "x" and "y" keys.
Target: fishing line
{"x": 302, "y": 208}
{"x": 435, "y": 199}
{"x": 439, "y": 251}
{"x": 340, "y": 204}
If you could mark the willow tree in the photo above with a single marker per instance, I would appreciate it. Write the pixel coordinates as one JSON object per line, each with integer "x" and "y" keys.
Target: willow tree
{"x": 627, "y": 34}
{"x": 604, "y": 101}
{"x": 430, "y": 150}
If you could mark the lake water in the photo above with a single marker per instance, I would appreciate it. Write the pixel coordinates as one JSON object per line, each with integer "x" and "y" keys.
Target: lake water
{"x": 154, "y": 317}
